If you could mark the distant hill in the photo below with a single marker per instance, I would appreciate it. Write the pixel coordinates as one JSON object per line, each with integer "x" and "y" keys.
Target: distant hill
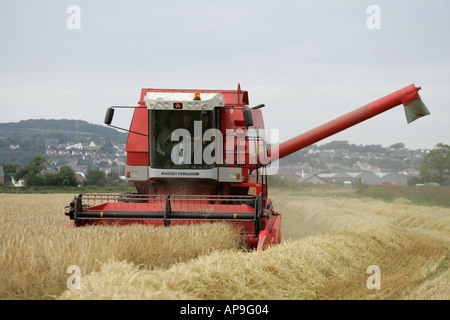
{"x": 41, "y": 126}
{"x": 21, "y": 141}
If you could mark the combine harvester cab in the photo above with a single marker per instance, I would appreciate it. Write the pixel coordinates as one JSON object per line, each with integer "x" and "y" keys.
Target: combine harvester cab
{"x": 201, "y": 156}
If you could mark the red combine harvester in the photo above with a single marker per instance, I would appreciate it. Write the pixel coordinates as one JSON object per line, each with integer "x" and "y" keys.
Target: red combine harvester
{"x": 201, "y": 156}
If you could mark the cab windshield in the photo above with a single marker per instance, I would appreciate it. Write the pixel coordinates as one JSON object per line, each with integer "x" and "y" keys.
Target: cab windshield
{"x": 179, "y": 149}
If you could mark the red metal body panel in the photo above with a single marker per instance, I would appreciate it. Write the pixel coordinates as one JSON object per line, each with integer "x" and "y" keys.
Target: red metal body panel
{"x": 137, "y": 145}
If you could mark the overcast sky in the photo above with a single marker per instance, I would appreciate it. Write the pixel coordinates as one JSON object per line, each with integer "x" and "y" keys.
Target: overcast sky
{"x": 307, "y": 61}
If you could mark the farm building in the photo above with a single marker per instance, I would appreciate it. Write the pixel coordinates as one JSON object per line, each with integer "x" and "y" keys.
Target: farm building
{"x": 383, "y": 178}
{"x": 364, "y": 177}
{"x": 314, "y": 179}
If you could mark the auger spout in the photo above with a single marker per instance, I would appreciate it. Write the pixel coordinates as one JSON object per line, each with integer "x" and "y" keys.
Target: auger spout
{"x": 408, "y": 96}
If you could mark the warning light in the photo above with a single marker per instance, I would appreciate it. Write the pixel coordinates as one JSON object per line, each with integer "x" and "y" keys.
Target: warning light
{"x": 197, "y": 96}
{"x": 178, "y": 105}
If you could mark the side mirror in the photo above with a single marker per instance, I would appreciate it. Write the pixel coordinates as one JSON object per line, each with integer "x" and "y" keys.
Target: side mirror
{"x": 109, "y": 116}
{"x": 248, "y": 118}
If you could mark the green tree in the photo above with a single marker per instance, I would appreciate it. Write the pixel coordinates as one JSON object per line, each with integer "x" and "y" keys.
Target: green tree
{"x": 33, "y": 175}
{"x": 414, "y": 180}
{"x": 436, "y": 165}
{"x": 33, "y": 179}
{"x": 107, "y": 148}
{"x": 396, "y": 146}
{"x": 67, "y": 176}
{"x": 336, "y": 145}
{"x": 36, "y": 165}
{"x": 86, "y": 163}
{"x": 95, "y": 178}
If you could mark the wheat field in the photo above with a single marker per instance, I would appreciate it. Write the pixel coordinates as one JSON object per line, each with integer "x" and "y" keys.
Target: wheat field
{"x": 328, "y": 244}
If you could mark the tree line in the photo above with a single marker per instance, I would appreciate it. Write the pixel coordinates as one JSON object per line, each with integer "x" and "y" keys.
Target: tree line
{"x": 435, "y": 168}
{"x": 35, "y": 174}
